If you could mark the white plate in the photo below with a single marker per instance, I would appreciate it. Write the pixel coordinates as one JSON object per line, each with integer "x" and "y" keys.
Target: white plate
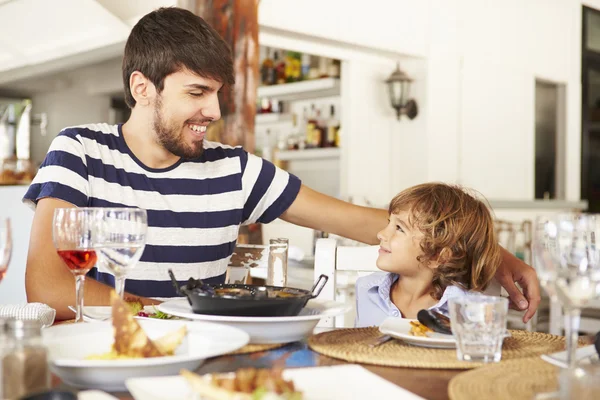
{"x": 102, "y": 313}
{"x": 399, "y": 328}
{"x": 69, "y": 344}
{"x": 321, "y": 383}
{"x": 265, "y": 329}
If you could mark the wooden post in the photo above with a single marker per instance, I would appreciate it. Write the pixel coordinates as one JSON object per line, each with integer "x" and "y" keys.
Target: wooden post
{"x": 237, "y": 22}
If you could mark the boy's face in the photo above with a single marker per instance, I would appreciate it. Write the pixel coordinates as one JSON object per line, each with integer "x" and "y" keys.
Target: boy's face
{"x": 183, "y": 110}
{"x": 399, "y": 246}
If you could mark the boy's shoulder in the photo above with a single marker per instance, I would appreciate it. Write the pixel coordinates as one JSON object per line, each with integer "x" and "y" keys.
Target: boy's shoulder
{"x": 373, "y": 280}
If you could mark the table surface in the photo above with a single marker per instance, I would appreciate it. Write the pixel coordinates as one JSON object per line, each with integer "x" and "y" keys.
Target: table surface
{"x": 427, "y": 383}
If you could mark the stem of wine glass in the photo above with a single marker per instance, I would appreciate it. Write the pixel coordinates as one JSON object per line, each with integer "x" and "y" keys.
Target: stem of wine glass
{"x": 572, "y": 320}
{"x": 79, "y": 281}
{"x": 120, "y": 285}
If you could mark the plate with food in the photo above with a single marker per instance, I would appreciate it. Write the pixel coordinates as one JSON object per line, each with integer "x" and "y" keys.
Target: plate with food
{"x": 430, "y": 330}
{"x": 136, "y": 308}
{"x": 265, "y": 330}
{"x": 319, "y": 383}
{"x": 102, "y": 355}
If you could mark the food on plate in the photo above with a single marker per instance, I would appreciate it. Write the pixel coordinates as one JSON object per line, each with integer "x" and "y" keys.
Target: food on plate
{"x": 435, "y": 321}
{"x": 245, "y": 384}
{"x": 135, "y": 305}
{"x": 153, "y": 314}
{"x": 131, "y": 340}
{"x": 418, "y": 329}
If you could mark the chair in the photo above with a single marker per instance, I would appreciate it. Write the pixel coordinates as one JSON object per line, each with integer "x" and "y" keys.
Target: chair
{"x": 246, "y": 258}
{"x": 516, "y": 237}
{"x": 343, "y": 265}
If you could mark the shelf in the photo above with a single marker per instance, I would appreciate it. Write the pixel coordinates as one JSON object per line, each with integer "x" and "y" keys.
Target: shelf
{"x": 308, "y": 154}
{"x": 272, "y": 118}
{"x": 302, "y": 90}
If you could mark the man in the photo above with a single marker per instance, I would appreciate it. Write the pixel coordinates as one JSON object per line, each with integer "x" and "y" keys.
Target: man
{"x": 196, "y": 193}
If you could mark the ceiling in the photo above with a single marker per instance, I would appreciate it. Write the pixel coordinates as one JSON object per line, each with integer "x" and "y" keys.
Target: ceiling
{"x": 42, "y": 37}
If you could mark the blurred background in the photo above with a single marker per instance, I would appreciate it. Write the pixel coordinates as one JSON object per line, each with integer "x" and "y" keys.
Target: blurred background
{"x": 359, "y": 99}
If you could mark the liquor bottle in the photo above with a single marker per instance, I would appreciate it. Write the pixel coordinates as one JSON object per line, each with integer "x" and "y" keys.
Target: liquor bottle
{"x": 312, "y": 133}
{"x": 304, "y": 66}
{"x": 333, "y": 127}
{"x": 334, "y": 68}
{"x": 267, "y": 69}
{"x": 323, "y": 67}
{"x": 292, "y": 66}
{"x": 279, "y": 69}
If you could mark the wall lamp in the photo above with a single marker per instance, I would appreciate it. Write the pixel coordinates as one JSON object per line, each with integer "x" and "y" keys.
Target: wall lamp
{"x": 399, "y": 90}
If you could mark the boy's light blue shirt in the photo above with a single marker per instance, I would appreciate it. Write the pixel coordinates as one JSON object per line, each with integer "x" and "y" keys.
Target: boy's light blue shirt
{"x": 373, "y": 302}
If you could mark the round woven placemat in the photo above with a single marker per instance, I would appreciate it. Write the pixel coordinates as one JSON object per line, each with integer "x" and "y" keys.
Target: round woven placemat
{"x": 255, "y": 348}
{"x": 514, "y": 379}
{"x": 353, "y": 345}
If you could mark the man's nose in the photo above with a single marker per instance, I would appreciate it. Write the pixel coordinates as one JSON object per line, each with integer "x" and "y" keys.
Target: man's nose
{"x": 212, "y": 110}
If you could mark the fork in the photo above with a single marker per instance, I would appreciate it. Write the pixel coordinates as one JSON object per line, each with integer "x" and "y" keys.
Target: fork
{"x": 379, "y": 341}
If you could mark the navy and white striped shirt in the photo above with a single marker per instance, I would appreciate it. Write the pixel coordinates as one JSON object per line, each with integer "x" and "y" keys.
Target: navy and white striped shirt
{"x": 195, "y": 207}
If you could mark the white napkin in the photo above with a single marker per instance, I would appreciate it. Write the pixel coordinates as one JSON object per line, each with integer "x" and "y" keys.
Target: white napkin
{"x": 29, "y": 311}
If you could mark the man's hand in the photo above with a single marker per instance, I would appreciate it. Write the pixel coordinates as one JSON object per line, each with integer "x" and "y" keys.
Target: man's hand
{"x": 514, "y": 270}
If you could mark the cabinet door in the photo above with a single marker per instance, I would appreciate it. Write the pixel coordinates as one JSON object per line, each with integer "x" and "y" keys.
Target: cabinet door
{"x": 497, "y": 130}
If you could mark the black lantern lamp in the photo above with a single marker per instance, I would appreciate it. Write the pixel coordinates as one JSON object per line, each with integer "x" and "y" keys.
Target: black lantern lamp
{"x": 399, "y": 89}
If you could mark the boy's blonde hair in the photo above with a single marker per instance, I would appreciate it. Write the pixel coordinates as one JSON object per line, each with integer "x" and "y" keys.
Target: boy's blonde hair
{"x": 458, "y": 232}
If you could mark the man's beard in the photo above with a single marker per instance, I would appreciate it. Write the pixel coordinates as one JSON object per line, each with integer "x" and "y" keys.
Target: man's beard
{"x": 171, "y": 139}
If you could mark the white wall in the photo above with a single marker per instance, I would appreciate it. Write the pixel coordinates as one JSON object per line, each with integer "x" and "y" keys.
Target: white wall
{"x": 73, "y": 98}
{"x": 475, "y": 88}
{"x": 484, "y": 58}
{"x": 12, "y": 289}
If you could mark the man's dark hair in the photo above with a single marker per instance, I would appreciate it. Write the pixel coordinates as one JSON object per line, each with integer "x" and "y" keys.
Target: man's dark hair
{"x": 170, "y": 39}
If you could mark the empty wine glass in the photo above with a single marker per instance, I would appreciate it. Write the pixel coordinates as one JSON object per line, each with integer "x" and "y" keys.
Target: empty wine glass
{"x": 73, "y": 236}
{"x": 5, "y": 246}
{"x": 120, "y": 241}
{"x": 567, "y": 262}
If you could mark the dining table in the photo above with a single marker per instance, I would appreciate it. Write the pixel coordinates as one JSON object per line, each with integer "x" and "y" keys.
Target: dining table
{"x": 428, "y": 383}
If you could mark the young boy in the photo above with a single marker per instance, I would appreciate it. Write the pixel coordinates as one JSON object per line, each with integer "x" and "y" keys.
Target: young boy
{"x": 439, "y": 243}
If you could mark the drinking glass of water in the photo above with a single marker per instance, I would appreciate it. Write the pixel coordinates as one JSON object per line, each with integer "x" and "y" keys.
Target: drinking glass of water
{"x": 479, "y": 327}
{"x": 120, "y": 241}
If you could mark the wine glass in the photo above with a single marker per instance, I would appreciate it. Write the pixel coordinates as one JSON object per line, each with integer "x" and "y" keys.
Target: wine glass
{"x": 73, "y": 236}
{"x": 120, "y": 241}
{"x": 5, "y": 246}
{"x": 567, "y": 262}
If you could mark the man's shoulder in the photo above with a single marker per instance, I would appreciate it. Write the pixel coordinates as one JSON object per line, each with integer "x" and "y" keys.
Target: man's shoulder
{"x": 91, "y": 129}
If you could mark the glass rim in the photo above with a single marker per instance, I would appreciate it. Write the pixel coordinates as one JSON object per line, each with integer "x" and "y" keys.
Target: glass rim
{"x": 478, "y": 299}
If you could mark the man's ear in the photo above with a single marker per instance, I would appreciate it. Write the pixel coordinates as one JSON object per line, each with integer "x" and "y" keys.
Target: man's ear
{"x": 142, "y": 90}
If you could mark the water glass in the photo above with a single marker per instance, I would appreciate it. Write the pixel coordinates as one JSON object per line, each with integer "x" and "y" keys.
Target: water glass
{"x": 120, "y": 241}
{"x": 278, "y": 260}
{"x": 479, "y": 327}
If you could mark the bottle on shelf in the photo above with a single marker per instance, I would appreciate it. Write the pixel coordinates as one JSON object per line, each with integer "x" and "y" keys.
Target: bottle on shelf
{"x": 333, "y": 127}
{"x": 267, "y": 69}
{"x": 305, "y": 66}
{"x": 323, "y": 67}
{"x": 279, "y": 69}
{"x": 265, "y": 106}
{"x": 333, "y": 68}
{"x": 292, "y": 66}
{"x": 312, "y": 133}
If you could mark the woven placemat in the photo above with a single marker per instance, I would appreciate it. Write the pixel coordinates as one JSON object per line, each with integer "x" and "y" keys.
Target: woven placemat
{"x": 513, "y": 379}
{"x": 255, "y": 348}
{"x": 353, "y": 345}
